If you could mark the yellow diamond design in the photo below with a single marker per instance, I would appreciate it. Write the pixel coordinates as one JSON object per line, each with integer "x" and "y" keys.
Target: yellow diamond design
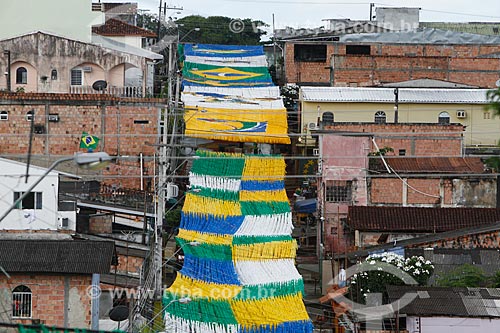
{"x": 225, "y": 74}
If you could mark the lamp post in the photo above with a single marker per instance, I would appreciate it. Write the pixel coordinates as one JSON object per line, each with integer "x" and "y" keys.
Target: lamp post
{"x": 7, "y": 72}
{"x": 179, "y": 39}
{"x": 84, "y": 160}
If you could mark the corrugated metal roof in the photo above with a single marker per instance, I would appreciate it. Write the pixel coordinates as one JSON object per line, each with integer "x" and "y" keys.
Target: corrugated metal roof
{"x": 458, "y": 302}
{"x": 386, "y": 95}
{"x": 421, "y": 36}
{"x": 419, "y": 219}
{"x": 462, "y": 165}
{"x": 70, "y": 257}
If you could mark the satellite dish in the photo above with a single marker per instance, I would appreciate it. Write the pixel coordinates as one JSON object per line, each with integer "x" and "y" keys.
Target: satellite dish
{"x": 100, "y": 85}
{"x": 497, "y": 83}
{"x": 119, "y": 313}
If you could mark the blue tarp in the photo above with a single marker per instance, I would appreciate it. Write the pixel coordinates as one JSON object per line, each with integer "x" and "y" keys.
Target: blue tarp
{"x": 306, "y": 206}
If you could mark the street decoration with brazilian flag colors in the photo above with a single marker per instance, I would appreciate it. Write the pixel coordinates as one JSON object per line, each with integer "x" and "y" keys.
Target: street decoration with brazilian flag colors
{"x": 239, "y": 255}
{"x": 230, "y": 96}
{"x": 89, "y": 141}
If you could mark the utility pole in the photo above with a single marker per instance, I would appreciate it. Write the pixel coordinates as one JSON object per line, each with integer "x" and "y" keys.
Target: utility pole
{"x": 7, "y": 72}
{"x": 396, "y": 105}
{"x": 372, "y": 5}
{"x": 274, "y": 45}
{"x": 158, "y": 38}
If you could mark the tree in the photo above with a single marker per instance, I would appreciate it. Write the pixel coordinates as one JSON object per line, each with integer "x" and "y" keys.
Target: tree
{"x": 220, "y": 30}
{"x": 464, "y": 276}
{"x": 494, "y": 98}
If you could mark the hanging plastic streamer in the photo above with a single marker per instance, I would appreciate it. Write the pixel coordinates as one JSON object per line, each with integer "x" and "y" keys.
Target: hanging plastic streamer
{"x": 229, "y": 95}
{"x": 239, "y": 269}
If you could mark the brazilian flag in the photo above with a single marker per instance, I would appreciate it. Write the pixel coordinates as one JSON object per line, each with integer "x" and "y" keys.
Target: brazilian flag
{"x": 89, "y": 141}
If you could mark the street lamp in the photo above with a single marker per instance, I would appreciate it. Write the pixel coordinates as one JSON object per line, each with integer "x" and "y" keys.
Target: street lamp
{"x": 183, "y": 37}
{"x": 83, "y": 160}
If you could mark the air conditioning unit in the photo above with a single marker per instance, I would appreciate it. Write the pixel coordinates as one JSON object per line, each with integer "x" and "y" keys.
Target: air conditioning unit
{"x": 87, "y": 69}
{"x": 316, "y": 151}
{"x": 313, "y": 126}
{"x": 461, "y": 114}
{"x": 54, "y": 117}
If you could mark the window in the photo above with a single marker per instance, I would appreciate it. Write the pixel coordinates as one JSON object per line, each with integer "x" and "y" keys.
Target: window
{"x": 338, "y": 191}
{"x": 53, "y": 75}
{"x": 402, "y": 152}
{"x": 4, "y": 115}
{"x": 357, "y": 49}
{"x": 328, "y": 118}
{"x": 29, "y": 115}
{"x": 32, "y": 201}
{"x": 486, "y": 115}
{"x": 76, "y": 77}
{"x": 21, "y": 302}
{"x": 444, "y": 118}
{"x": 309, "y": 53}
{"x": 380, "y": 117}
{"x": 21, "y": 75}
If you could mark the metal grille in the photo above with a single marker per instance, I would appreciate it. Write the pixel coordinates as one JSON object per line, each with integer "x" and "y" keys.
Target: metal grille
{"x": 339, "y": 191}
{"x": 21, "y": 304}
{"x": 76, "y": 77}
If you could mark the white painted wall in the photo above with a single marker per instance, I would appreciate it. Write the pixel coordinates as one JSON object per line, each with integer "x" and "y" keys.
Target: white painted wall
{"x": 73, "y": 19}
{"x": 135, "y": 41}
{"x": 12, "y": 179}
{"x": 452, "y": 325}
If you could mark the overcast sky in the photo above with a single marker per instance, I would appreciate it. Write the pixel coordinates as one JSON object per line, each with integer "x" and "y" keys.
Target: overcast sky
{"x": 309, "y": 13}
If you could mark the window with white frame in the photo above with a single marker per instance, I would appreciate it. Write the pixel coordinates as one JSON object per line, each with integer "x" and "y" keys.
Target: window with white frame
{"x": 444, "y": 118}
{"x": 338, "y": 191}
{"x": 4, "y": 115}
{"x": 32, "y": 201}
{"x": 76, "y": 77}
{"x": 380, "y": 117}
{"x": 21, "y": 302}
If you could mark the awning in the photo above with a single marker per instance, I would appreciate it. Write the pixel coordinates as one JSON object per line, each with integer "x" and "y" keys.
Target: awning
{"x": 306, "y": 206}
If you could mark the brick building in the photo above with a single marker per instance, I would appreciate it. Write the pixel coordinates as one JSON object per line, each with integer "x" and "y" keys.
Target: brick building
{"x": 435, "y": 176}
{"x": 125, "y": 126}
{"x": 371, "y": 59}
{"x": 48, "y": 281}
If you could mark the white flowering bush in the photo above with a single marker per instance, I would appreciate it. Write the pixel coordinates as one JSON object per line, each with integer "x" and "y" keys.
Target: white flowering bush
{"x": 375, "y": 280}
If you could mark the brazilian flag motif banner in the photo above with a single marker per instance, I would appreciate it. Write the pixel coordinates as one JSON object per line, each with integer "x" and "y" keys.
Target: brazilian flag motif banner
{"x": 238, "y": 125}
{"x": 225, "y": 76}
{"x": 239, "y": 270}
{"x": 229, "y": 95}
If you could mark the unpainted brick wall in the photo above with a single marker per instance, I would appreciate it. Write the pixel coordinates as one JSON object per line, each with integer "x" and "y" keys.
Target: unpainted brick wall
{"x": 48, "y": 296}
{"x": 398, "y": 62}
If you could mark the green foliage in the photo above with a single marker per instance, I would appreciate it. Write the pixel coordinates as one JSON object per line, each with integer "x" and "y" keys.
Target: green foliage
{"x": 464, "y": 276}
{"x": 382, "y": 151}
{"x": 493, "y": 163}
{"x": 494, "y": 97}
{"x": 216, "y": 30}
{"x": 173, "y": 218}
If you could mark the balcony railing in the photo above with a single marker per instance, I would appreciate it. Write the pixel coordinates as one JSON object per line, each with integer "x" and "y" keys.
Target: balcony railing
{"x": 130, "y": 91}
